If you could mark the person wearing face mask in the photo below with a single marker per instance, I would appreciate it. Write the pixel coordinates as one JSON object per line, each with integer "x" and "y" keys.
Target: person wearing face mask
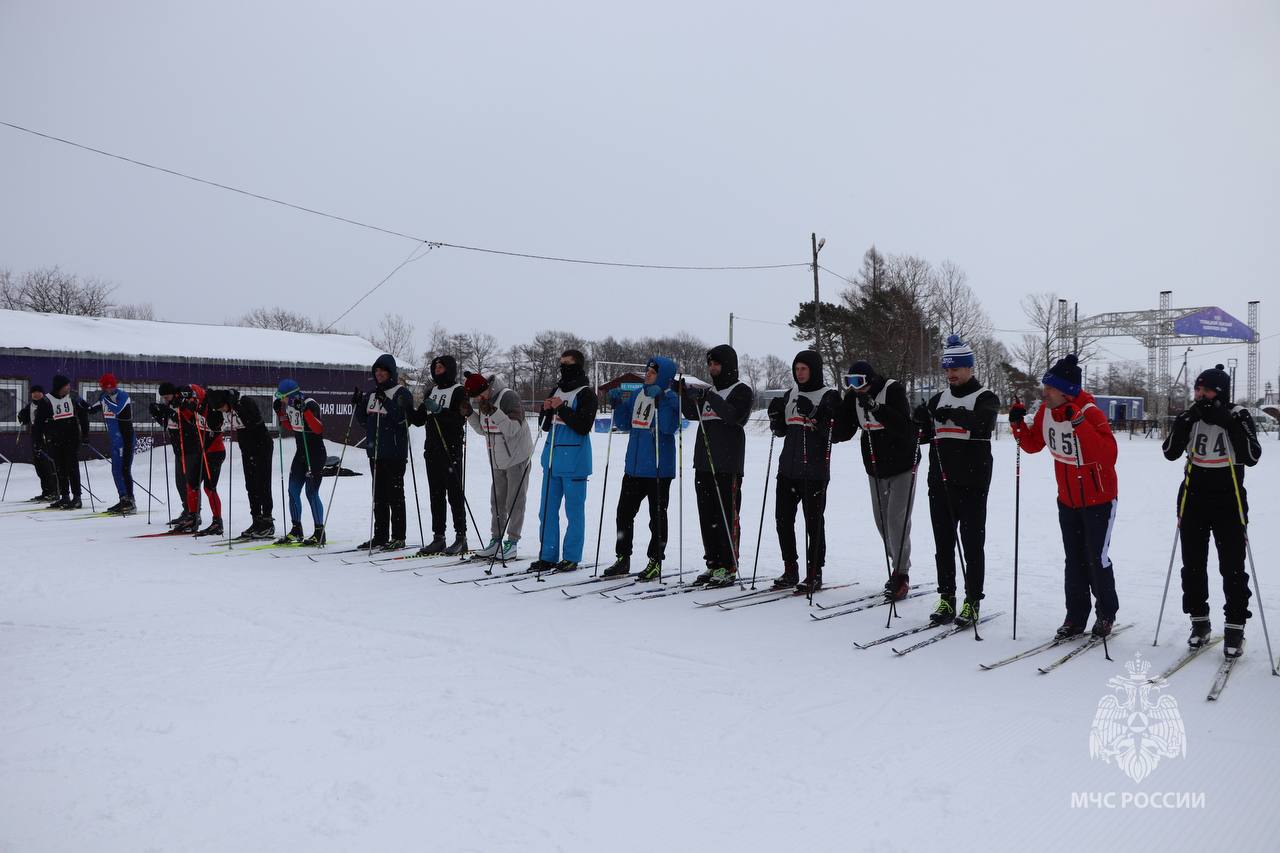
{"x": 804, "y": 419}
{"x": 650, "y": 420}
{"x": 383, "y": 413}
{"x": 1079, "y": 439}
{"x": 165, "y": 413}
{"x": 1220, "y": 440}
{"x": 878, "y": 408}
{"x": 568, "y": 415}
{"x": 442, "y": 414}
{"x": 117, "y": 412}
{"x": 40, "y": 457}
{"x": 721, "y": 413}
{"x": 957, "y": 424}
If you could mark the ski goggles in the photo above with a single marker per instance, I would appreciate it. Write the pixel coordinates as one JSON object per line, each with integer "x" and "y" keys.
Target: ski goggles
{"x": 855, "y": 380}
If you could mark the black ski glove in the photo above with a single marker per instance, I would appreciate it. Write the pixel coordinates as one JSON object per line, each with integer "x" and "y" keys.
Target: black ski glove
{"x": 922, "y": 416}
{"x": 1215, "y": 412}
{"x": 357, "y": 399}
{"x": 804, "y": 406}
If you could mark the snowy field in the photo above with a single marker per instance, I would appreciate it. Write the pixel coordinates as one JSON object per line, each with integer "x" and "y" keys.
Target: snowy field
{"x": 157, "y": 699}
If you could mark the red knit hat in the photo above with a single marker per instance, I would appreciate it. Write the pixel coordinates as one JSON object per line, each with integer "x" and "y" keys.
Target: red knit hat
{"x": 475, "y": 385}
{"x": 107, "y": 382}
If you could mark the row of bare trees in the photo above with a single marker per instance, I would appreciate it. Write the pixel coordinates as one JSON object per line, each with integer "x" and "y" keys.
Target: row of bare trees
{"x": 53, "y": 291}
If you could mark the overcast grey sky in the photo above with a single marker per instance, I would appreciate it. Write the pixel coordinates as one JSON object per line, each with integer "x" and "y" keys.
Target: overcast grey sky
{"x": 1103, "y": 150}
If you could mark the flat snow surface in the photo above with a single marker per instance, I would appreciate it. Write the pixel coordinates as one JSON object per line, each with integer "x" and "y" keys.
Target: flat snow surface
{"x": 155, "y": 338}
{"x": 158, "y": 700}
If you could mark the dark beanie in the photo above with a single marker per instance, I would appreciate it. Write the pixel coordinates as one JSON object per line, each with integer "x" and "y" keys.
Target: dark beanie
{"x": 863, "y": 367}
{"x": 167, "y": 388}
{"x": 60, "y": 382}
{"x": 1217, "y": 380}
{"x": 1065, "y": 376}
{"x": 36, "y": 388}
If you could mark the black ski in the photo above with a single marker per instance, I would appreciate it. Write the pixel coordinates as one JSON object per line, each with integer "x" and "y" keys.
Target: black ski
{"x": 868, "y": 602}
{"x": 1090, "y": 643}
{"x": 951, "y": 631}
{"x": 1185, "y": 658}
{"x": 1220, "y": 679}
{"x": 781, "y": 595}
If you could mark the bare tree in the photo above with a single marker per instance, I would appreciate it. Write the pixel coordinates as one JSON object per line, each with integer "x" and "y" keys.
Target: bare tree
{"x": 394, "y": 335}
{"x": 134, "y": 311}
{"x": 777, "y": 373}
{"x": 278, "y": 318}
{"x": 476, "y": 351}
{"x": 752, "y": 371}
{"x": 953, "y": 305}
{"x": 50, "y": 290}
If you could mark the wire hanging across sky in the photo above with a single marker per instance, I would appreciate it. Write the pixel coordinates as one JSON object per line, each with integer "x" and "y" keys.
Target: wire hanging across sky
{"x": 433, "y": 243}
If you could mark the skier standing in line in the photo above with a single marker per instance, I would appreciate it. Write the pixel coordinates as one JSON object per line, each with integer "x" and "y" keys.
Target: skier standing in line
{"x": 441, "y": 414}
{"x": 804, "y": 419}
{"x": 957, "y": 423}
{"x": 1079, "y": 439}
{"x": 495, "y": 412}
{"x": 117, "y": 412}
{"x": 650, "y": 420}
{"x": 879, "y": 408}
{"x": 384, "y": 415}
{"x": 568, "y": 416}
{"x": 164, "y": 412}
{"x": 1217, "y": 435}
{"x": 254, "y": 441}
{"x": 63, "y": 418}
{"x": 719, "y": 452}
{"x": 300, "y": 416}
{"x": 40, "y": 458}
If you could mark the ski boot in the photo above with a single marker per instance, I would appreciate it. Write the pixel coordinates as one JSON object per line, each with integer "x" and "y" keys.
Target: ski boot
{"x": 651, "y": 572}
{"x": 42, "y": 498}
{"x": 316, "y": 539}
{"x": 190, "y": 525}
{"x": 490, "y": 550}
{"x": 293, "y": 537}
{"x": 565, "y": 566}
{"x": 897, "y": 587}
{"x": 790, "y": 575}
{"x": 434, "y": 548}
{"x": 811, "y": 584}
{"x": 1068, "y": 630}
{"x": 968, "y": 614}
{"x": 127, "y": 507}
{"x": 945, "y": 612}
{"x": 619, "y": 567}
{"x": 392, "y": 545}
{"x": 509, "y": 548}
{"x": 1102, "y": 627}
{"x": 265, "y": 529}
{"x": 74, "y": 503}
{"x": 705, "y": 577}
{"x": 542, "y": 566}
{"x": 1233, "y": 641}
{"x": 722, "y": 578}
{"x": 1200, "y": 630}
{"x": 247, "y": 533}
{"x": 59, "y": 503}
{"x": 459, "y": 546}
{"x": 214, "y": 528}
{"x": 115, "y": 507}
{"x": 374, "y": 544}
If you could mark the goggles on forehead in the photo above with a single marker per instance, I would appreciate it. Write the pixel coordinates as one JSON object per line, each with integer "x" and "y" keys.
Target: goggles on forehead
{"x": 855, "y": 380}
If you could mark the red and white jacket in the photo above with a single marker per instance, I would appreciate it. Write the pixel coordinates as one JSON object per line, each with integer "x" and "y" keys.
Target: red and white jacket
{"x": 1083, "y": 450}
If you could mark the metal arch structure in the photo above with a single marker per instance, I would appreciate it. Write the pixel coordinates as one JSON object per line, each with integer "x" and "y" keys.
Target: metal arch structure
{"x": 1156, "y": 330}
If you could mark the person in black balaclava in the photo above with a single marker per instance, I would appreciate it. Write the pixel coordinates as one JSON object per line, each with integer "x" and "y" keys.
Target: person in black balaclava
{"x": 804, "y": 419}
{"x": 40, "y": 457}
{"x": 721, "y": 412}
{"x": 1216, "y": 436}
{"x": 165, "y": 412}
{"x": 442, "y": 414}
{"x": 383, "y": 413}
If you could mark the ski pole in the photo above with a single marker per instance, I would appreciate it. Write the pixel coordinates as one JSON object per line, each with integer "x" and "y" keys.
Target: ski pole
{"x": 231, "y": 475}
{"x": 164, "y": 458}
{"x": 1244, "y": 524}
{"x": 911, "y": 502}
{"x": 680, "y": 495}
{"x": 413, "y": 476}
{"x": 1177, "y": 532}
{"x": 764, "y": 500}
{"x": 373, "y": 473}
{"x": 151, "y": 458}
{"x": 88, "y": 487}
{"x": 1017, "y": 519}
{"x": 658, "y": 506}
{"x": 951, "y": 514}
{"x": 284, "y": 504}
{"x": 546, "y": 494}
{"x": 105, "y": 458}
{"x": 342, "y": 455}
{"x": 604, "y": 495}
{"x": 8, "y": 473}
{"x": 512, "y": 506}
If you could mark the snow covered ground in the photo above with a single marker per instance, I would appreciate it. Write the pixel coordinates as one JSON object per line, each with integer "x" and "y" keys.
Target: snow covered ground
{"x": 154, "y": 699}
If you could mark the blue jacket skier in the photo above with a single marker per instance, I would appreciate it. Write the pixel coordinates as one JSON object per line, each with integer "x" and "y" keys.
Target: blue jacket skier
{"x": 568, "y": 415}
{"x": 117, "y": 412}
{"x": 651, "y": 419}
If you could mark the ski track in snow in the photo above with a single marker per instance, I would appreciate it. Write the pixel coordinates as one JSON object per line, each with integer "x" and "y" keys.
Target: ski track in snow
{"x": 154, "y": 700}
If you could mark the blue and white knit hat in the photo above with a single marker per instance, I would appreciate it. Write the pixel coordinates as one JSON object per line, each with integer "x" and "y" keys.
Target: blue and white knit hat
{"x": 957, "y": 353}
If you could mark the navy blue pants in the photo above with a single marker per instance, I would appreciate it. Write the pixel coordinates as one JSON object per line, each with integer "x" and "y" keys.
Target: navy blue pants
{"x": 1086, "y": 539}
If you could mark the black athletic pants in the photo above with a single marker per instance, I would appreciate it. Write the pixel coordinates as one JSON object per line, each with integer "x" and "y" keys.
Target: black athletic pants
{"x": 813, "y": 495}
{"x": 445, "y": 486}
{"x": 964, "y": 507}
{"x": 1214, "y": 514}
{"x": 255, "y": 459}
{"x": 720, "y": 551}
{"x": 636, "y": 490}
{"x": 388, "y": 499}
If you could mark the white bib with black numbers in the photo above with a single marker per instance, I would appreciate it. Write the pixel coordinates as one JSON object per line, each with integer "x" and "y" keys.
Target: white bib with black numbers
{"x": 708, "y": 414}
{"x": 1060, "y": 438}
{"x": 373, "y": 406}
{"x": 643, "y": 410}
{"x": 950, "y": 429}
{"x": 865, "y": 419}
{"x": 794, "y": 418}
{"x": 63, "y": 407}
{"x": 443, "y": 396}
{"x": 1209, "y": 445}
{"x": 231, "y": 422}
{"x": 296, "y": 423}
{"x": 569, "y": 397}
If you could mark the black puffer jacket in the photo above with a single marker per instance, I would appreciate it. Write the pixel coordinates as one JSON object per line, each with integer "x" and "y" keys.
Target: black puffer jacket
{"x": 896, "y": 444}
{"x": 723, "y": 411}
{"x": 805, "y": 419}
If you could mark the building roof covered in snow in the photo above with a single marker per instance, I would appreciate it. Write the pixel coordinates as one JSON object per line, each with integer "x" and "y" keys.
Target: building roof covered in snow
{"x": 33, "y": 333}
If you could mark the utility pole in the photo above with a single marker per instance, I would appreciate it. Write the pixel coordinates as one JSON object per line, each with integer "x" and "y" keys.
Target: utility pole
{"x": 817, "y": 245}
{"x": 730, "y": 328}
